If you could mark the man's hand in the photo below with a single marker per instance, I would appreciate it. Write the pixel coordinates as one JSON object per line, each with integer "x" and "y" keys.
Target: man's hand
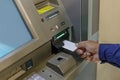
{"x": 88, "y": 50}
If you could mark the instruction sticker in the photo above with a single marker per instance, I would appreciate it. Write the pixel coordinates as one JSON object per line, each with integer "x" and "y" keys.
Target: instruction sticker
{"x": 45, "y": 9}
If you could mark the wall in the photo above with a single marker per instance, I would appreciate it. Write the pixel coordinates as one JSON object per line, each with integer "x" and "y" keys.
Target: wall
{"x": 93, "y": 19}
{"x": 109, "y": 32}
{"x": 109, "y": 27}
{"x": 73, "y": 9}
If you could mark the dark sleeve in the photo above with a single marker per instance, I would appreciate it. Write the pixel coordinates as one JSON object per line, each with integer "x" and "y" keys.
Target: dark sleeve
{"x": 110, "y": 53}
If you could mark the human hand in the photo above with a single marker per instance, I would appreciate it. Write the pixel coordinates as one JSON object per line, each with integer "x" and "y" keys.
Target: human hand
{"x": 88, "y": 50}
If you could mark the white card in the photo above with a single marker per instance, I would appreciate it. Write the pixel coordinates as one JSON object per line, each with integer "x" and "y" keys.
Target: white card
{"x": 69, "y": 45}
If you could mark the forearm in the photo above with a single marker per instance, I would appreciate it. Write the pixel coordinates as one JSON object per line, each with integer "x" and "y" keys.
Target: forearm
{"x": 110, "y": 53}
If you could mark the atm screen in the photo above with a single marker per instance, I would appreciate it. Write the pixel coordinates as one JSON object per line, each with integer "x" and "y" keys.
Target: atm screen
{"x": 13, "y": 31}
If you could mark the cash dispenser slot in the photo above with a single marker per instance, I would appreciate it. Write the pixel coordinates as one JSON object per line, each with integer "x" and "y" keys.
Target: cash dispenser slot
{"x": 58, "y": 63}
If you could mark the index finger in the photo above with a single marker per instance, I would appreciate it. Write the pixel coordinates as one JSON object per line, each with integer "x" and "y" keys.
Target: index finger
{"x": 81, "y": 44}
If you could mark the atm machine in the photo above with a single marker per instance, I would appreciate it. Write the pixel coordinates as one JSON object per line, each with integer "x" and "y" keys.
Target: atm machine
{"x": 31, "y": 39}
